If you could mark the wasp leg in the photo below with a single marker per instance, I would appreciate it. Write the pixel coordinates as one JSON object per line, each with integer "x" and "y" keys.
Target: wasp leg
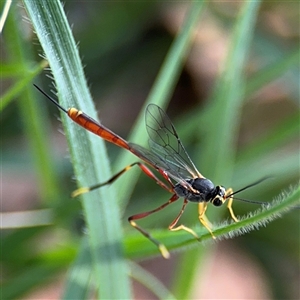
{"x": 203, "y": 219}
{"x": 182, "y": 227}
{"x": 144, "y": 168}
{"x": 162, "y": 248}
{"x": 229, "y": 205}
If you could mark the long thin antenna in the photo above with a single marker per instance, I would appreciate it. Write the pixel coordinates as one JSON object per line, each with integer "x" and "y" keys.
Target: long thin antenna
{"x": 51, "y": 99}
{"x": 248, "y": 186}
{"x": 252, "y": 201}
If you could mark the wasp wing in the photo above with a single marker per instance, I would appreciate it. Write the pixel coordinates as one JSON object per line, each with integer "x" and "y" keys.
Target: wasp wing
{"x": 155, "y": 160}
{"x": 165, "y": 144}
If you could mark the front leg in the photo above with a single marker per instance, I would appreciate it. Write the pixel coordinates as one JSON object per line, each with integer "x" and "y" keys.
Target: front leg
{"x": 229, "y": 204}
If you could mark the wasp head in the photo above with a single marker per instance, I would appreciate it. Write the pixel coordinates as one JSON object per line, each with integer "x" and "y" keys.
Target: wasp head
{"x": 218, "y": 196}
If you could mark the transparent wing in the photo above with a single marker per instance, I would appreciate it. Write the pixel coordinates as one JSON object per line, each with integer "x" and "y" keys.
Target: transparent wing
{"x": 166, "y": 145}
{"x": 156, "y": 161}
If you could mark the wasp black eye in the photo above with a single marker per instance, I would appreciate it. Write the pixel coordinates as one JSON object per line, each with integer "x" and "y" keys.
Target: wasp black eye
{"x": 217, "y": 201}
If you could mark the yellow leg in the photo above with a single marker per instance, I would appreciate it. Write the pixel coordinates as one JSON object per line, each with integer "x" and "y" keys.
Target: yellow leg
{"x": 203, "y": 219}
{"x": 182, "y": 227}
{"x": 187, "y": 229}
{"x": 229, "y": 205}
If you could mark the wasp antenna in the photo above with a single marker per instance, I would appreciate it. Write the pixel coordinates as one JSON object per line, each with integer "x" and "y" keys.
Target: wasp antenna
{"x": 250, "y": 185}
{"x": 252, "y": 201}
{"x": 51, "y": 99}
{"x": 265, "y": 204}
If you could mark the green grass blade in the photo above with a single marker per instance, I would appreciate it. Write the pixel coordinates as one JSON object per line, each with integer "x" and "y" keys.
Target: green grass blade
{"x": 269, "y": 73}
{"x": 97, "y": 264}
{"x": 16, "y": 89}
{"x": 286, "y": 130}
{"x": 79, "y": 275}
{"x": 160, "y": 92}
{"x": 33, "y": 117}
{"x": 286, "y": 167}
{"x": 148, "y": 280}
{"x": 103, "y": 221}
{"x": 285, "y": 202}
{"x": 222, "y": 119}
{"x": 30, "y": 278}
{"x": 219, "y": 150}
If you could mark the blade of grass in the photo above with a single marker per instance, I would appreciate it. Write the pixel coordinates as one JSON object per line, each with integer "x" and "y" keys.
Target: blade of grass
{"x": 148, "y": 280}
{"x": 4, "y": 14}
{"x": 257, "y": 81}
{"x": 222, "y": 119}
{"x": 225, "y": 107}
{"x": 30, "y": 278}
{"x": 103, "y": 221}
{"x": 19, "y": 86}
{"x": 160, "y": 92}
{"x": 79, "y": 274}
{"x": 285, "y": 202}
{"x": 271, "y": 72}
{"x": 286, "y": 130}
{"x": 278, "y": 166}
{"x": 37, "y": 268}
{"x": 33, "y": 117}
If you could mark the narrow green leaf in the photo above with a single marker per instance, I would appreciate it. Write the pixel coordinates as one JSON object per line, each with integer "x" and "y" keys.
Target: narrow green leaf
{"x": 160, "y": 92}
{"x": 286, "y": 130}
{"x": 79, "y": 275}
{"x": 221, "y": 122}
{"x": 148, "y": 280}
{"x": 287, "y": 166}
{"x": 219, "y": 150}
{"x": 271, "y": 72}
{"x": 16, "y": 89}
{"x": 283, "y": 203}
{"x": 33, "y": 117}
{"x": 30, "y": 278}
{"x": 103, "y": 221}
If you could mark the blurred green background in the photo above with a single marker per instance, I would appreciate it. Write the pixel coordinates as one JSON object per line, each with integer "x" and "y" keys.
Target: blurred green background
{"x": 123, "y": 45}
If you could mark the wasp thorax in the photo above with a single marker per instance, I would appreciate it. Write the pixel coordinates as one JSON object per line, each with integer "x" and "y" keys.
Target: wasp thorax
{"x": 202, "y": 190}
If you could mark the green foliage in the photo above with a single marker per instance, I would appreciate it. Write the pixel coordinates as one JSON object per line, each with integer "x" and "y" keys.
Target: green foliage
{"x": 235, "y": 147}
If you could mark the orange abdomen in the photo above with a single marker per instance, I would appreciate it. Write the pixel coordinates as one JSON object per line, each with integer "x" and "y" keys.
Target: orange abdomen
{"x": 93, "y": 126}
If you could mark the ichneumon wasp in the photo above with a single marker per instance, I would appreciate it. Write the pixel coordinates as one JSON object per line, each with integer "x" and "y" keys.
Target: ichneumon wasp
{"x": 168, "y": 156}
